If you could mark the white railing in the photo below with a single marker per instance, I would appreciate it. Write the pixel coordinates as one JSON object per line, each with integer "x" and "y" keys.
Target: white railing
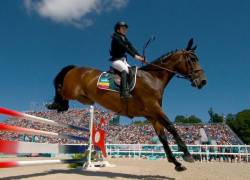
{"x": 237, "y": 153}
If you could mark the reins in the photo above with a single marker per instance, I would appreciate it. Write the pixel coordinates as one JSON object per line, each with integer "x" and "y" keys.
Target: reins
{"x": 177, "y": 74}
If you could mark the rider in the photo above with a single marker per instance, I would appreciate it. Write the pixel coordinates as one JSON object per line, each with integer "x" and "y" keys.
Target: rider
{"x": 119, "y": 47}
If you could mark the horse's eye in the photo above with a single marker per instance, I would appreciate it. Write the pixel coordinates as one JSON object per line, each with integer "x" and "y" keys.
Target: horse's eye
{"x": 194, "y": 60}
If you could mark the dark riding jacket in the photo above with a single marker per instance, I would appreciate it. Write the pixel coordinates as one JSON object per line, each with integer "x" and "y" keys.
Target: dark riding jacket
{"x": 120, "y": 46}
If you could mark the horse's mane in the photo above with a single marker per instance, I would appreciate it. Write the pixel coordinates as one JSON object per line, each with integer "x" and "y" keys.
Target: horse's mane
{"x": 160, "y": 59}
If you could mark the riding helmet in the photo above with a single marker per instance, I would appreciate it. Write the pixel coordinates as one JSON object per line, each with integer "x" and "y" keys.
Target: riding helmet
{"x": 120, "y": 24}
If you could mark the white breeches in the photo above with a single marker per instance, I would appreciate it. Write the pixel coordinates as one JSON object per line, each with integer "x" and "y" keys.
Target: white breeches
{"x": 121, "y": 65}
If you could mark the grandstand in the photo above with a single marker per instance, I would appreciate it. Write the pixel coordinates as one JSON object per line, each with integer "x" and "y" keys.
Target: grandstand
{"x": 220, "y": 134}
{"x": 137, "y": 140}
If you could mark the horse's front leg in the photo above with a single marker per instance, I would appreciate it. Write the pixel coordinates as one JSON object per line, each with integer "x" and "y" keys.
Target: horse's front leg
{"x": 163, "y": 138}
{"x": 164, "y": 120}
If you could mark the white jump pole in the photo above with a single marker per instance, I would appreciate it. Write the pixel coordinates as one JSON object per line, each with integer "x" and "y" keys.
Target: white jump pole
{"x": 90, "y": 166}
{"x": 90, "y": 133}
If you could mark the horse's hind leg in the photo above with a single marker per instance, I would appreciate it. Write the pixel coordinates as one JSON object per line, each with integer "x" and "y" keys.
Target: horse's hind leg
{"x": 164, "y": 120}
{"x": 85, "y": 100}
{"x": 60, "y": 104}
{"x": 163, "y": 138}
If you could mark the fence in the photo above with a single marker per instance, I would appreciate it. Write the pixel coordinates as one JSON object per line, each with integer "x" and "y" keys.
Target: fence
{"x": 236, "y": 153}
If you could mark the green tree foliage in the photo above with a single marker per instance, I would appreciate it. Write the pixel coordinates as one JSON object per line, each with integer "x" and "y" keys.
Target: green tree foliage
{"x": 241, "y": 125}
{"x": 180, "y": 119}
{"x": 210, "y": 112}
{"x": 214, "y": 117}
{"x": 194, "y": 119}
{"x": 230, "y": 118}
{"x": 190, "y": 120}
{"x": 217, "y": 118}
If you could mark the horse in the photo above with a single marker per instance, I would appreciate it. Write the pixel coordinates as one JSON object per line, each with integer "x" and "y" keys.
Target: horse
{"x": 80, "y": 84}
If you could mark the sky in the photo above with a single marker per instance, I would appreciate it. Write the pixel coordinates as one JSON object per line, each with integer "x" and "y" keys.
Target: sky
{"x": 39, "y": 37}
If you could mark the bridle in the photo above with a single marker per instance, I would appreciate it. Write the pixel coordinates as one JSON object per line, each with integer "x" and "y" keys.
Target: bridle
{"x": 190, "y": 59}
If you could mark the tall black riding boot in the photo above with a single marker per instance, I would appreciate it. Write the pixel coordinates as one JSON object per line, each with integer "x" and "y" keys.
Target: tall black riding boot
{"x": 124, "y": 86}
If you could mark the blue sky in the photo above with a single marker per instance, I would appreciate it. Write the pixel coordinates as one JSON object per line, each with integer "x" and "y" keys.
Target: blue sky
{"x": 38, "y": 38}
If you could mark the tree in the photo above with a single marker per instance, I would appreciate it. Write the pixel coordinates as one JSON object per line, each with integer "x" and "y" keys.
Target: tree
{"x": 230, "y": 118}
{"x": 241, "y": 125}
{"x": 214, "y": 117}
{"x": 180, "y": 119}
{"x": 190, "y": 120}
{"x": 211, "y": 113}
{"x": 217, "y": 118}
{"x": 193, "y": 119}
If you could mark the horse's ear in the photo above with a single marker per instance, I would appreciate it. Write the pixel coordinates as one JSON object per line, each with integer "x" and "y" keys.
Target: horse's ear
{"x": 190, "y": 44}
{"x": 194, "y": 48}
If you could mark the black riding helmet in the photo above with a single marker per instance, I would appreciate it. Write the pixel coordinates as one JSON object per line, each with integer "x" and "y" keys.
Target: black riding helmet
{"x": 120, "y": 24}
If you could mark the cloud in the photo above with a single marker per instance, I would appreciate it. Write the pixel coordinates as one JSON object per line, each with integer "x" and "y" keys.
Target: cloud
{"x": 114, "y": 4}
{"x": 75, "y": 12}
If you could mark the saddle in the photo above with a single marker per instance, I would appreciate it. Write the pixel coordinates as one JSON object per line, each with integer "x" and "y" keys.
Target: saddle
{"x": 111, "y": 80}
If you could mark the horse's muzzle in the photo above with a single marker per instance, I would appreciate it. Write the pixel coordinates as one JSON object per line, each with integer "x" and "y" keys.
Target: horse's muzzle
{"x": 199, "y": 83}
{"x": 203, "y": 83}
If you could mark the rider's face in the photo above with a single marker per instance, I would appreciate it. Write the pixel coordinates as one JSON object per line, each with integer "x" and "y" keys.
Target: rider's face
{"x": 122, "y": 30}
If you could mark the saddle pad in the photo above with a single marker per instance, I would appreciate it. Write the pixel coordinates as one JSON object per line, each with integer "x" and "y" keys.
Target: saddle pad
{"x": 106, "y": 82}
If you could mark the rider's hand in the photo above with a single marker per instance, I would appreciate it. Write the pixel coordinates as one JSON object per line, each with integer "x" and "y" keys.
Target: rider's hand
{"x": 140, "y": 58}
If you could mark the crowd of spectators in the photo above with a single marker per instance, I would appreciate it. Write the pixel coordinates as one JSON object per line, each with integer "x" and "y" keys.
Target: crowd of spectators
{"x": 134, "y": 134}
{"x": 145, "y": 134}
{"x": 75, "y": 117}
{"x": 222, "y": 134}
{"x": 116, "y": 134}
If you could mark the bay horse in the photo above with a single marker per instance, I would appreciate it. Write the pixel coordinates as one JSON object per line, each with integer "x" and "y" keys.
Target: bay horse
{"x": 80, "y": 83}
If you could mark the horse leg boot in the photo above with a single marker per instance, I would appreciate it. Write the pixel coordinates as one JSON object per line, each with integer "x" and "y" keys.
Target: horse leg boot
{"x": 124, "y": 86}
{"x": 182, "y": 146}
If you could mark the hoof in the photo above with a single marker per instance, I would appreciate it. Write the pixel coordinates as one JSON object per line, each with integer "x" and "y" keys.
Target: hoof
{"x": 58, "y": 107}
{"x": 180, "y": 168}
{"x": 62, "y": 110}
{"x": 188, "y": 158}
{"x": 53, "y": 106}
{"x": 170, "y": 160}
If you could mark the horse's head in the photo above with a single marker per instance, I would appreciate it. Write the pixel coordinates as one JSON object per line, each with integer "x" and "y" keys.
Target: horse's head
{"x": 187, "y": 64}
{"x": 184, "y": 63}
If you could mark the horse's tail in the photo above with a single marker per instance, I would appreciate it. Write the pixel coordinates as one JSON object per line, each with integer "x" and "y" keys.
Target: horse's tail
{"x": 59, "y": 103}
{"x": 58, "y": 81}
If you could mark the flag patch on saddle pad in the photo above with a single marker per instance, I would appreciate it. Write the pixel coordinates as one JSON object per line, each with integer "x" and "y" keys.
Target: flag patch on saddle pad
{"x": 106, "y": 82}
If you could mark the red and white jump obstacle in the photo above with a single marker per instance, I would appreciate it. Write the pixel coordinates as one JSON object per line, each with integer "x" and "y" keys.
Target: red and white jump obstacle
{"x": 15, "y": 147}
